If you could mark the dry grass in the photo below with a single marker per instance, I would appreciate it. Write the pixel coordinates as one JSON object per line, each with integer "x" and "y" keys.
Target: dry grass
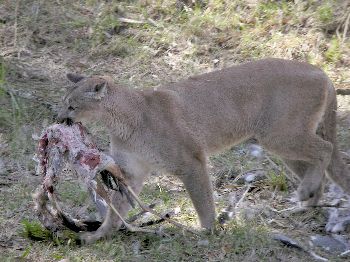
{"x": 146, "y": 43}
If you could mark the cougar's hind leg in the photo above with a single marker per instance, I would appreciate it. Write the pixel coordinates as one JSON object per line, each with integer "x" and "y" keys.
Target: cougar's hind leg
{"x": 338, "y": 171}
{"x": 300, "y": 169}
{"x": 305, "y": 147}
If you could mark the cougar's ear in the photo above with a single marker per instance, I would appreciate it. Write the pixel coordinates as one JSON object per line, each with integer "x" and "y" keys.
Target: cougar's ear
{"x": 75, "y": 78}
{"x": 100, "y": 90}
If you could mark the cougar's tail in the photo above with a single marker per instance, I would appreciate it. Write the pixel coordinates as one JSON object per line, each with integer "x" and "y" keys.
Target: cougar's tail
{"x": 337, "y": 170}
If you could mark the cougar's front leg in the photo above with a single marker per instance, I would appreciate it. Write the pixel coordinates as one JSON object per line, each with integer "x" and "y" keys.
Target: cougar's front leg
{"x": 199, "y": 188}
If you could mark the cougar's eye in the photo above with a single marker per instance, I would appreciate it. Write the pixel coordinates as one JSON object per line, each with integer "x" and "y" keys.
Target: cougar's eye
{"x": 70, "y": 108}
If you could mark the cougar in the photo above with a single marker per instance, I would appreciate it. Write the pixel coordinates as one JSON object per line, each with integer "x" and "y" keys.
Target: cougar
{"x": 289, "y": 107}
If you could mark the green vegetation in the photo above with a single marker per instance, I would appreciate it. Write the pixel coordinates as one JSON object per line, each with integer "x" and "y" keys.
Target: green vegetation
{"x": 333, "y": 53}
{"x": 234, "y": 242}
{"x": 325, "y": 13}
{"x": 277, "y": 181}
{"x": 35, "y": 231}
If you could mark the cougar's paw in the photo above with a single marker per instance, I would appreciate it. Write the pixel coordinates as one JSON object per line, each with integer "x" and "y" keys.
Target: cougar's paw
{"x": 304, "y": 194}
{"x": 307, "y": 192}
{"x": 85, "y": 238}
{"x": 88, "y": 237}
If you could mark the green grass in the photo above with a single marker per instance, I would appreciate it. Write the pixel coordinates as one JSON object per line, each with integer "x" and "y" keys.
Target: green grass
{"x": 277, "y": 181}
{"x": 235, "y": 241}
{"x": 19, "y": 119}
{"x": 325, "y": 13}
{"x": 35, "y": 231}
{"x": 333, "y": 53}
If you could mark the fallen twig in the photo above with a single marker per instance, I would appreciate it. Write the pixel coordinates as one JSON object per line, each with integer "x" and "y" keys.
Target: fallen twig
{"x": 345, "y": 253}
{"x": 138, "y": 215}
{"x": 242, "y": 197}
{"x": 130, "y": 21}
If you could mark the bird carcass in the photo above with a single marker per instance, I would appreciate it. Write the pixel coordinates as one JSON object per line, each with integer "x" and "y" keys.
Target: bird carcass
{"x": 59, "y": 144}
{"x": 62, "y": 143}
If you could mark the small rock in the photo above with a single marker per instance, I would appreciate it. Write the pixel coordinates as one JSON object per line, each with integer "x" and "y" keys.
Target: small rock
{"x": 249, "y": 177}
{"x": 216, "y": 62}
{"x": 256, "y": 151}
{"x": 329, "y": 243}
{"x": 136, "y": 246}
{"x": 203, "y": 243}
{"x": 177, "y": 210}
{"x": 255, "y": 176}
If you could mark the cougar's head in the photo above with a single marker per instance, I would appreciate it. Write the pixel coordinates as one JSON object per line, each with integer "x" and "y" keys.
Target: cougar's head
{"x": 82, "y": 101}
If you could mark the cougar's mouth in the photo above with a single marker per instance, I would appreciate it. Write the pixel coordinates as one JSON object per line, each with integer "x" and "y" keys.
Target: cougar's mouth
{"x": 68, "y": 121}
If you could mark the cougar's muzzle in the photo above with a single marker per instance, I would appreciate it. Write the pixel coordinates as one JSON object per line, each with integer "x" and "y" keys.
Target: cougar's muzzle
{"x": 65, "y": 120}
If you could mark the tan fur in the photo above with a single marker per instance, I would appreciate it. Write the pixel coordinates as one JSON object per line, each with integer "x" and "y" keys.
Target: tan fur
{"x": 280, "y": 103}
